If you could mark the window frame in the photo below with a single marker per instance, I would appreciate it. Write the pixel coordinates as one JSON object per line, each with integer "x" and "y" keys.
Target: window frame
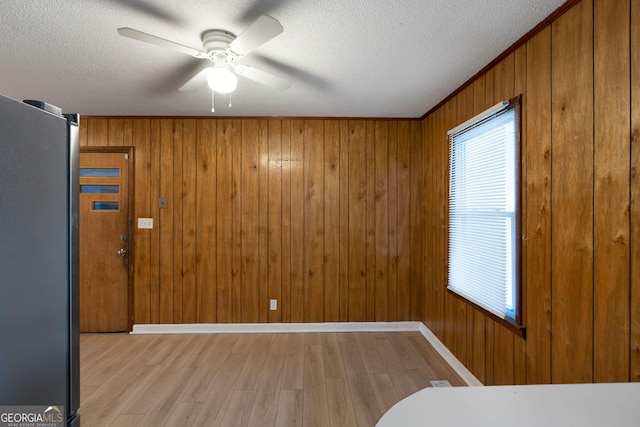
{"x": 516, "y": 324}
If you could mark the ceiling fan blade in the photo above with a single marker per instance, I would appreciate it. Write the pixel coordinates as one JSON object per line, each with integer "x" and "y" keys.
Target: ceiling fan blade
{"x": 197, "y": 81}
{"x": 157, "y": 41}
{"x": 261, "y": 31}
{"x": 263, "y": 77}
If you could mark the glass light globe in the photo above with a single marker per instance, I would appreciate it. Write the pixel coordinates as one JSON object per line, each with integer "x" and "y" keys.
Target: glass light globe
{"x": 222, "y": 79}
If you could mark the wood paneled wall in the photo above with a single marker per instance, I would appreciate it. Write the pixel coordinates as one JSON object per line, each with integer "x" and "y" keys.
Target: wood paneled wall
{"x": 580, "y": 84}
{"x": 326, "y": 216}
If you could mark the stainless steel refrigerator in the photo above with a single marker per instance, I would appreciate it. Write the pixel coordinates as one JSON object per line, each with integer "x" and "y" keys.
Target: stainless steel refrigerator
{"x": 39, "y": 329}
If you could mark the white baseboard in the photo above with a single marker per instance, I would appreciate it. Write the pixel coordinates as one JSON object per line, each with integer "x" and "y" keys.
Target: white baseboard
{"x": 448, "y": 357}
{"x": 238, "y": 328}
{"x": 252, "y": 328}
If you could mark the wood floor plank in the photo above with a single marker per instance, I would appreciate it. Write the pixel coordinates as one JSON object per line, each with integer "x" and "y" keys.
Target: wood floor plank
{"x": 333, "y": 364}
{"x": 200, "y": 387}
{"x": 340, "y": 405}
{"x": 251, "y": 373}
{"x": 126, "y": 420}
{"x": 290, "y": 408}
{"x": 168, "y": 401}
{"x": 218, "y": 398}
{"x": 293, "y": 376}
{"x": 384, "y": 390}
{"x": 368, "y": 345}
{"x": 239, "y": 408}
{"x": 265, "y": 407}
{"x": 316, "y": 412}
{"x": 184, "y": 414}
{"x": 364, "y": 400}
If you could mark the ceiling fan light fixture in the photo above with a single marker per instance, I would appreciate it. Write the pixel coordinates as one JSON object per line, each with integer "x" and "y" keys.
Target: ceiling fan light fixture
{"x": 222, "y": 79}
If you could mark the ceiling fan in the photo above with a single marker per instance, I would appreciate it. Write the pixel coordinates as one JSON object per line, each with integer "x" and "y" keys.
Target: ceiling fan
{"x": 223, "y": 48}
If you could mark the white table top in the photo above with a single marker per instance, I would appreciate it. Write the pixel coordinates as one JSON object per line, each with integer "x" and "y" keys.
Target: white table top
{"x": 584, "y": 405}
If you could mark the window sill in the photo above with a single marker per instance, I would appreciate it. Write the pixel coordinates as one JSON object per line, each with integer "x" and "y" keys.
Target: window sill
{"x": 513, "y": 326}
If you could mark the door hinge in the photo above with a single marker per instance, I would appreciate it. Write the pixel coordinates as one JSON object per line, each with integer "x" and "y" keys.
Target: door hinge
{"x": 126, "y": 156}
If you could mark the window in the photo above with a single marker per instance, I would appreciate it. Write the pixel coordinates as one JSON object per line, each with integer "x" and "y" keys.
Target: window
{"x": 484, "y": 184}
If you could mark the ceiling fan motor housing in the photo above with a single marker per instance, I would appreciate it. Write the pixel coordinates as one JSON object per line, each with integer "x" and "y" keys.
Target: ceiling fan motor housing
{"x": 216, "y": 42}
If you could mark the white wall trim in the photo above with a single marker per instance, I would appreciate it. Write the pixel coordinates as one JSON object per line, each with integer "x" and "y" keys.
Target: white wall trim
{"x": 240, "y": 328}
{"x": 446, "y": 354}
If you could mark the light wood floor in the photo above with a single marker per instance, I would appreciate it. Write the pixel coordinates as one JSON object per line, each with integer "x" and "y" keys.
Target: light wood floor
{"x": 297, "y": 379}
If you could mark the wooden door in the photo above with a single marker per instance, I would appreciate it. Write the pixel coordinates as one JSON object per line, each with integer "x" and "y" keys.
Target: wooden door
{"x": 104, "y": 241}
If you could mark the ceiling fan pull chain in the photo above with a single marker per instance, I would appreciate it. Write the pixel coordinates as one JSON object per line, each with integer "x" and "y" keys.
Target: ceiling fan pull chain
{"x": 213, "y": 110}
{"x": 230, "y": 100}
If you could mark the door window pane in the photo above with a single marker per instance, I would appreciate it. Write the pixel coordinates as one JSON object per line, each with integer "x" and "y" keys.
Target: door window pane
{"x": 100, "y": 189}
{"x": 100, "y": 172}
{"x": 106, "y": 206}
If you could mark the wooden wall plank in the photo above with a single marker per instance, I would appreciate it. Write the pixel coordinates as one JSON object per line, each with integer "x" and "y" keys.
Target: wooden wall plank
{"x": 635, "y": 192}
{"x": 249, "y": 231}
{"x": 393, "y": 222}
{"x": 166, "y": 223}
{"x": 263, "y": 220}
{"x": 612, "y": 120}
{"x": 332, "y": 167}
{"x": 297, "y": 221}
{"x": 404, "y": 212}
{"x": 285, "y": 299}
{"x": 127, "y": 133}
{"x": 189, "y": 224}
{"x": 343, "y": 190}
{"x": 440, "y": 155}
{"x": 142, "y": 208}
{"x": 314, "y": 221}
{"x": 115, "y": 137}
{"x": 429, "y": 315}
{"x": 370, "y": 239}
{"x": 236, "y": 224}
{"x": 572, "y": 195}
{"x": 206, "y": 222}
{"x": 536, "y": 227}
{"x": 177, "y": 205}
{"x": 224, "y": 221}
{"x": 275, "y": 168}
{"x": 357, "y": 220}
{"x": 98, "y": 133}
{"x": 84, "y": 132}
{"x": 154, "y": 213}
{"x": 417, "y": 221}
{"x": 381, "y": 225}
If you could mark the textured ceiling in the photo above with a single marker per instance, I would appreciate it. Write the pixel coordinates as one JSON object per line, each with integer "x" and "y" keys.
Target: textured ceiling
{"x": 346, "y": 58}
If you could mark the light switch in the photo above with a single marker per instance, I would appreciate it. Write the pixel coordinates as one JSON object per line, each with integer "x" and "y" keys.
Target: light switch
{"x": 146, "y": 223}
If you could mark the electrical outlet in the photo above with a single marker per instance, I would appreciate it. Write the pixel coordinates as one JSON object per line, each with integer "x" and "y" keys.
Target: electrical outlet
{"x": 273, "y": 304}
{"x": 440, "y": 383}
{"x": 146, "y": 223}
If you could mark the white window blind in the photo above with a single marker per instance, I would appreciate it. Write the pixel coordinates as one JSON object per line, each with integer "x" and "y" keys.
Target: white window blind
{"x": 482, "y": 211}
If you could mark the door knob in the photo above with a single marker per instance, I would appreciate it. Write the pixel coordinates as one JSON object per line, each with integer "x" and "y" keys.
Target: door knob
{"x": 122, "y": 252}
